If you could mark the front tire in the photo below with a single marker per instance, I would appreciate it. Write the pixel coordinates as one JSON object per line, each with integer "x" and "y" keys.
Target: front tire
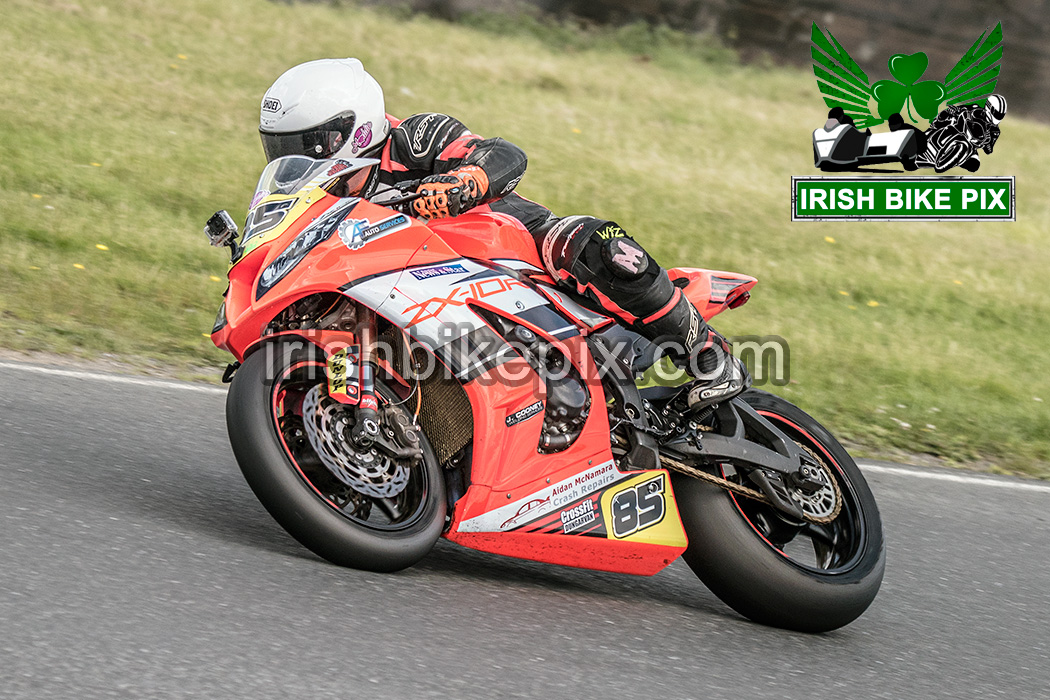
{"x": 332, "y": 520}
{"x": 739, "y": 548}
{"x": 952, "y": 155}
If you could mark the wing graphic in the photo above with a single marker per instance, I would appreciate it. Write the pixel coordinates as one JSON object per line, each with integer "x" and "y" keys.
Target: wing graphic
{"x": 840, "y": 80}
{"x": 973, "y": 78}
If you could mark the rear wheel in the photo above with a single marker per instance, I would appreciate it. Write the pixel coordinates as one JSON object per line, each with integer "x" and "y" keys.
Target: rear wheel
{"x": 799, "y": 575}
{"x": 356, "y": 508}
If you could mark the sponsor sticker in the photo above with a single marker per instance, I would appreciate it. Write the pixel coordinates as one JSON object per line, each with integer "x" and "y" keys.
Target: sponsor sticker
{"x": 354, "y": 233}
{"x": 546, "y": 501}
{"x": 337, "y": 168}
{"x": 362, "y": 137}
{"x": 524, "y": 511}
{"x": 525, "y": 413}
{"x": 578, "y": 516}
{"x": 271, "y": 104}
{"x": 342, "y": 375}
{"x": 437, "y": 271}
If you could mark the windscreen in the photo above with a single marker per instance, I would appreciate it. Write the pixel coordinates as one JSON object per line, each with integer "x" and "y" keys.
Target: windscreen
{"x": 288, "y": 175}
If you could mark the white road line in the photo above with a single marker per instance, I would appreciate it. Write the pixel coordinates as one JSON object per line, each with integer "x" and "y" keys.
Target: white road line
{"x": 114, "y": 378}
{"x": 957, "y": 478}
{"x": 204, "y": 389}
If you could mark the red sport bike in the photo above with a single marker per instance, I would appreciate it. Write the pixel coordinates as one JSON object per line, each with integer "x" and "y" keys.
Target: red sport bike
{"x": 398, "y": 381}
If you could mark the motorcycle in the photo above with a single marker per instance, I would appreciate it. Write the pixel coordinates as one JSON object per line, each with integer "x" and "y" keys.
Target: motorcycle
{"x": 398, "y": 381}
{"x": 955, "y": 146}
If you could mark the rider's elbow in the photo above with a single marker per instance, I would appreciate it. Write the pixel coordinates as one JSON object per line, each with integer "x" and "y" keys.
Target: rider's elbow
{"x": 503, "y": 162}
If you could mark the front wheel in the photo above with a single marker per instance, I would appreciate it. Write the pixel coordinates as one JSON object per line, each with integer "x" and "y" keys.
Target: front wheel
{"x": 356, "y": 508}
{"x": 953, "y": 154}
{"x": 803, "y": 576}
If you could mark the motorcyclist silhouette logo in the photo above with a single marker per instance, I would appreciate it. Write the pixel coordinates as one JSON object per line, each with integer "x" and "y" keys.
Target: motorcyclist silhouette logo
{"x": 963, "y": 111}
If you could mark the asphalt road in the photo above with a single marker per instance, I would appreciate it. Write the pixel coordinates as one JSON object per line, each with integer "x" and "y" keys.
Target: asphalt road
{"x": 135, "y": 562}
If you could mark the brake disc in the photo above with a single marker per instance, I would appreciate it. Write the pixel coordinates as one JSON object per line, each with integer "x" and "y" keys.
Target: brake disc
{"x": 327, "y": 424}
{"x": 823, "y": 505}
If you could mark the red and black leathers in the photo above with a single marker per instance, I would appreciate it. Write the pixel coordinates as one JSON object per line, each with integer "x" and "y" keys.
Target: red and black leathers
{"x": 429, "y": 145}
{"x": 458, "y": 170}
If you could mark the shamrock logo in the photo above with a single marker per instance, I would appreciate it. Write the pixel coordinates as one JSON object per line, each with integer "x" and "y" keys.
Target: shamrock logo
{"x": 844, "y": 84}
{"x": 893, "y": 95}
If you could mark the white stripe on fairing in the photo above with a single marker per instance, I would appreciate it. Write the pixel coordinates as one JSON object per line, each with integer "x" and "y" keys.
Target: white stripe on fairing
{"x": 957, "y": 478}
{"x": 480, "y": 363}
{"x": 114, "y": 378}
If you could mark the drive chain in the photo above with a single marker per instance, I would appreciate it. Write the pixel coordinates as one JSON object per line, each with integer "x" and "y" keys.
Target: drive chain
{"x": 754, "y": 494}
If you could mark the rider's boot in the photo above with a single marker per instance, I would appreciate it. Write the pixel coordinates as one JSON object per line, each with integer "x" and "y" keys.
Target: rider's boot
{"x": 719, "y": 375}
{"x": 612, "y": 268}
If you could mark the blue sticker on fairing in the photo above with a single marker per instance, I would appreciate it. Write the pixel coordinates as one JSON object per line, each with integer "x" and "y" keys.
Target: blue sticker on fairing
{"x": 437, "y": 271}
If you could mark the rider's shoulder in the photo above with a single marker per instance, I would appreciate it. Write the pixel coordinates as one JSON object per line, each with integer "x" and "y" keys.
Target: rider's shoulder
{"x": 422, "y": 136}
{"x": 428, "y": 122}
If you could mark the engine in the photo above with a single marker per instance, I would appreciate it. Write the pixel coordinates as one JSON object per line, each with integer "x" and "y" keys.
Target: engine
{"x": 567, "y": 400}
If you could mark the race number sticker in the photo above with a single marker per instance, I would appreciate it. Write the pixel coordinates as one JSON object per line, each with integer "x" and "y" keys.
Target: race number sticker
{"x": 266, "y": 217}
{"x": 637, "y": 507}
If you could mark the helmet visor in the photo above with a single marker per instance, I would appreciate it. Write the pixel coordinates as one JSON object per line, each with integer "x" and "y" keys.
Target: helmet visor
{"x": 321, "y": 141}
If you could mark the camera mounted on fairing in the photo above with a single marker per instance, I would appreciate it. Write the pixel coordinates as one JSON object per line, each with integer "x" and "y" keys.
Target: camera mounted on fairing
{"x": 221, "y": 229}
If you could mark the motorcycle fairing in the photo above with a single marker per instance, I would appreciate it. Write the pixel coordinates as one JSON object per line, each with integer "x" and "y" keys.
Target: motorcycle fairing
{"x": 326, "y": 266}
{"x": 712, "y": 291}
{"x": 432, "y": 300}
{"x": 588, "y": 520}
{"x": 513, "y": 485}
{"x": 442, "y": 295}
{"x": 589, "y": 504}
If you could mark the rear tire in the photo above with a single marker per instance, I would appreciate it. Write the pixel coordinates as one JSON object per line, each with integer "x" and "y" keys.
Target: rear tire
{"x": 754, "y": 577}
{"x": 317, "y": 523}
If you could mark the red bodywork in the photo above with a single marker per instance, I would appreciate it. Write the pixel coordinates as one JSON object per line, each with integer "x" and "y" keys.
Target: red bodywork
{"x": 573, "y": 493}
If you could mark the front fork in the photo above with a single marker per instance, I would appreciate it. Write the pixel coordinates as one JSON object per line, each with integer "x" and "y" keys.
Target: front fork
{"x": 366, "y": 429}
{"x": 393, "y": 433}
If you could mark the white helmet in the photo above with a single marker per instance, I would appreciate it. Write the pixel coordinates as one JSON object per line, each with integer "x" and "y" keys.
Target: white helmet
{"x": 329, "y": 108}
{"x": 996, "y": 108}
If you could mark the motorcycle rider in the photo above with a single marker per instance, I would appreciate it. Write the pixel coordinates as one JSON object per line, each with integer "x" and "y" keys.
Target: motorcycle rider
{"x": 332, "y": 108}
{"x": 979, "y": 126}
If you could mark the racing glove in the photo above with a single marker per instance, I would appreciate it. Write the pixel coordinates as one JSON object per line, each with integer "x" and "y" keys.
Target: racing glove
{"x": 452, "y": 193}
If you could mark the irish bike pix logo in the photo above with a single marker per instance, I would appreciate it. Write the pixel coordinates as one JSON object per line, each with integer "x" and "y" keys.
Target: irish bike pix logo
{"x": 898, "y": 127}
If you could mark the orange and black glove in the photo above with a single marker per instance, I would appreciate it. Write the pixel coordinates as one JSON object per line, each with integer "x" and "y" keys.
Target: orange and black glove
{"x": 452, "y": 193}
